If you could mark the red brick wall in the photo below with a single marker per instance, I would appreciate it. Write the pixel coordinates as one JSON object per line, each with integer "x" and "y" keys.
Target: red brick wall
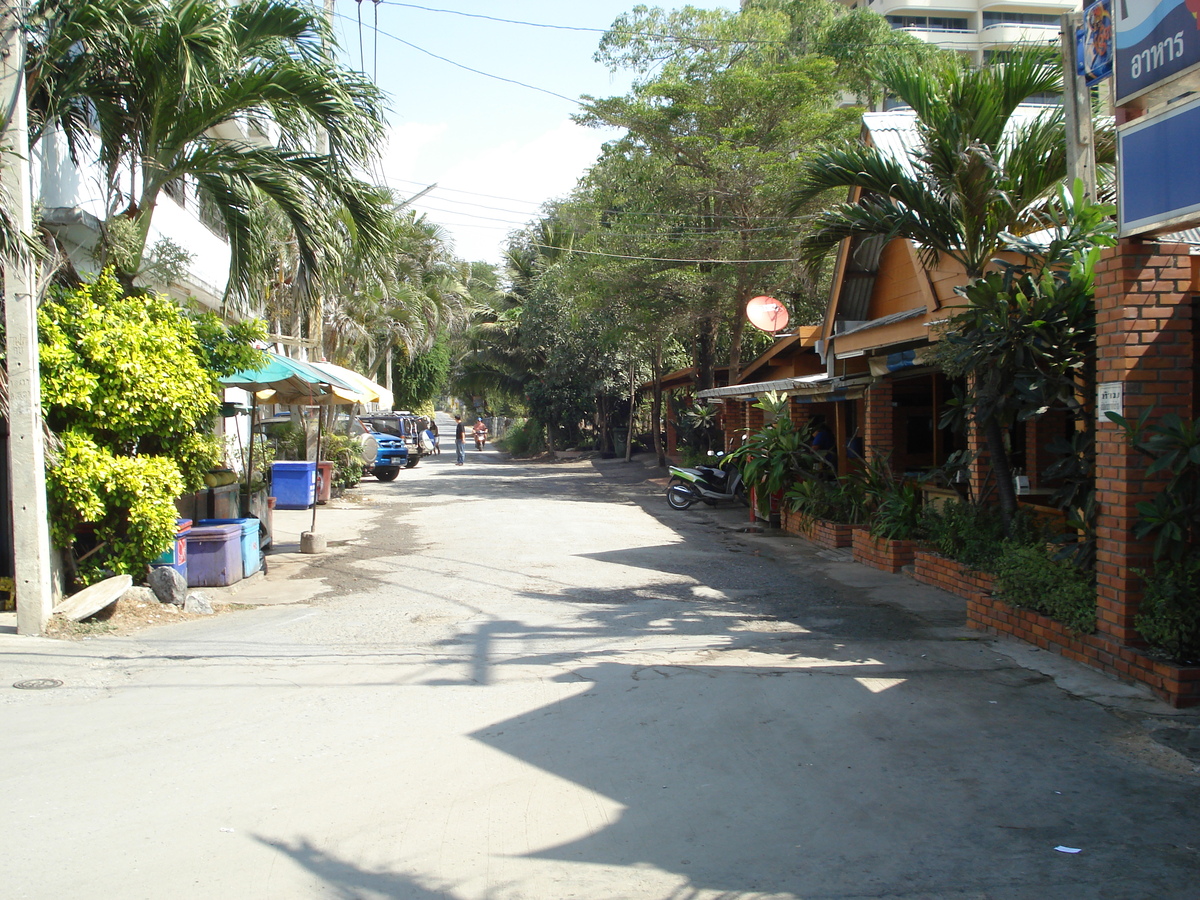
{"x": 881, "y": 553}
{"x": 799, "y": 413}
{"x": 1144, "y": 341}
{"x": 879, "y": 426}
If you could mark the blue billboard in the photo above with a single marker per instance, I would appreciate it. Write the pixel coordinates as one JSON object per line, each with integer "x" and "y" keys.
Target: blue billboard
{"x": 1156, "y": 40}
{"x": 1158, "y": 179}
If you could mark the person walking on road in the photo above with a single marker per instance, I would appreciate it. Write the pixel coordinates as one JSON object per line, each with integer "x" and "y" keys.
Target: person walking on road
{"x": 460, "y": 441}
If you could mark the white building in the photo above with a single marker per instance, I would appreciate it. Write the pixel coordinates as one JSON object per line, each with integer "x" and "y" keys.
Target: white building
{"x": 977, "y": 28}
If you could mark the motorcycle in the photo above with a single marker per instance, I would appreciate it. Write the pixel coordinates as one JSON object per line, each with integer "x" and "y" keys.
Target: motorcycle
{"x": 480, "y": 439}
{"x": 708, "y": 484}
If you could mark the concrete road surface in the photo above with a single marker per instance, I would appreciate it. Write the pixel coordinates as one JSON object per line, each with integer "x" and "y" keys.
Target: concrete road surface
{"x": 533, "y": 682}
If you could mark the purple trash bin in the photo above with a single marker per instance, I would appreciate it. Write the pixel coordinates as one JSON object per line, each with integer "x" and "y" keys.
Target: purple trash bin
{"x": 214, "y": 556}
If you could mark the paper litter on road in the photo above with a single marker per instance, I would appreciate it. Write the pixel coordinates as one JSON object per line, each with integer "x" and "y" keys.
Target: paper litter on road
{"x": 1061, "y": 849}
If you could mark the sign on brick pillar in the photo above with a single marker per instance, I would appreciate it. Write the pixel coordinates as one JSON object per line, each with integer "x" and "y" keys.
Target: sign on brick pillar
{"x": 879, "y": 433}
{"x": 1144, "y": 360}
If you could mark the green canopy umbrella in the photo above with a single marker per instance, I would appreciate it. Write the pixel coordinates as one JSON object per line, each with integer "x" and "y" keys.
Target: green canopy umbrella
{"x": 290, "y": 381}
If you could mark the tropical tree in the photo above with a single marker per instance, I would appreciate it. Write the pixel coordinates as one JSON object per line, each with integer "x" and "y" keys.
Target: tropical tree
{"x": 723, "y": 105}
{"x": 981, "y": 169}
{"x": 145, "y": 86}
{"x": 980, "y": 166}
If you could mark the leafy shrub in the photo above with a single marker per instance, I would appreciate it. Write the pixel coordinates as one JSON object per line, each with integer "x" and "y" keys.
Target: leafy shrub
{"x": 1028, "y": 577}
{"x": 840, "y": 501}
{"x": 973, "y": 535}
{"x": 130, "y": 386}
{"x": 1169, "y": 618}
{"x": 523, "y": 439}
{"x": 897, "y": 513}
{"x": 345, "y": 453}
{"x": 120, "y": 508}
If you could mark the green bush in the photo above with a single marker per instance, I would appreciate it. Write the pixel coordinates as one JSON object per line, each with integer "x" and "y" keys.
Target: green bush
{"x": 897, "y": 513}
{"x": 974, "y": 535}
{"x": 345, "y": 453}
{"x": 524, "y": 439}
{"x": 1028, "y": 577}
{"x": 1169, "y": 618}
{"x": 841, "y": 501}
{"x": 119, "y": 510}
{"x": 130, "y": 386}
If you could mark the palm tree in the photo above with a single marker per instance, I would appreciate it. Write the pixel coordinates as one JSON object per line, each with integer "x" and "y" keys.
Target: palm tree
{"x": 153, "y": 80}
{"x": 979, "y": 170}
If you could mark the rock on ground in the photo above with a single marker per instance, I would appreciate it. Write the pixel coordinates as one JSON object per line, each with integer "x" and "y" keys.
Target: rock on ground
{"x": 168, "y": 585}
{"x": 198, "y": 603}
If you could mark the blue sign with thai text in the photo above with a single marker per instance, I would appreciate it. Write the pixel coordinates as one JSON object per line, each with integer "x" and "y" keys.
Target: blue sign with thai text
{"x": 1155, "y": 41}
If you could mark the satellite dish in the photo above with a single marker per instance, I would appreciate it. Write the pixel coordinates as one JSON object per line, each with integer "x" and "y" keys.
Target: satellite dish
{"x": 767, "y": 314}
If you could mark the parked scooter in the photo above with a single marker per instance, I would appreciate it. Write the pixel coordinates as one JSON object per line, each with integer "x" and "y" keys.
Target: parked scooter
{"x": 708, "y": 484}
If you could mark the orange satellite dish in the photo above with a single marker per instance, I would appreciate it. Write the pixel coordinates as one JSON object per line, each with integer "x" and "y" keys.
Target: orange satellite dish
{"x": 767, "y": 314}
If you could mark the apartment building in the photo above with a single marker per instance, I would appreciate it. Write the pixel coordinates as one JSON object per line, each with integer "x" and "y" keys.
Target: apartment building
{"x": 977, "y": 28}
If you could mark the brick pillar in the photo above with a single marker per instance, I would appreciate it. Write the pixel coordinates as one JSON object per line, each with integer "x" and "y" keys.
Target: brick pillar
{"x": 799, "y": 413}
{"x": 1144, "y": 343}
{"x": 755, "y": 417}
{"x": 879, "y": 428}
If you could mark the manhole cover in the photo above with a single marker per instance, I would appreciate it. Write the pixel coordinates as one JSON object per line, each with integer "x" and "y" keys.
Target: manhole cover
{"x": 37, "y": 684}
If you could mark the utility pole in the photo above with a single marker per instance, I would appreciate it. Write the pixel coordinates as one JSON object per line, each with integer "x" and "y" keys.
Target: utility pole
{"x": 26, "y": 442}
{"x": 1077, "y": 112}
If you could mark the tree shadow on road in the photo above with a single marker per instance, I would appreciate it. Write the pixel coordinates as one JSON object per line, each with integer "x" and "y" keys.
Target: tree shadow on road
{"x": 349, "y": 881}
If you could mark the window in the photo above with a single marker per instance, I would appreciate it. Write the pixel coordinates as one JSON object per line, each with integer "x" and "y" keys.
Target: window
{"x": 211, "y": 217}
{"x": 928, "y": 23}
{"x": 1016, "y": 18}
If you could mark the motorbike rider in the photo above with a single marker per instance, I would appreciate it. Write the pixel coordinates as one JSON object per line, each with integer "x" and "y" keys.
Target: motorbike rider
{"x": 480, "y": 431}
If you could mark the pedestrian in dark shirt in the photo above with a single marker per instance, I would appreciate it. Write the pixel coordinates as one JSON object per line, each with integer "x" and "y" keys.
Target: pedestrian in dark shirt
{"x": 460, "y": 441}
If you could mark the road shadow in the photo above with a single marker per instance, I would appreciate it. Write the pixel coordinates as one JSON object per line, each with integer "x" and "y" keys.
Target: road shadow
{"x": 348, "y": 881}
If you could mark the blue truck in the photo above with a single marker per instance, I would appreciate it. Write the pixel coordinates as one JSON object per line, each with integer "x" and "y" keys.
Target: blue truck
{"x": 398, "y": 442}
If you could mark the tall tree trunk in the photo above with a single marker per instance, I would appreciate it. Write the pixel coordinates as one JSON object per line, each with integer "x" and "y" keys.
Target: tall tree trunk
{"x": 632, "y": 405}
{"x": 706, "y": 352}
{"x": 656, "y": 406}
{"x": 993, "y": 435}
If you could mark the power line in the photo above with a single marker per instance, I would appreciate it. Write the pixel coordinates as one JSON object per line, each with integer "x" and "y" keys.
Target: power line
{"x": 591, "y": 30}
{"x": 790, "y": 259}
{"x": 475, "y": 71}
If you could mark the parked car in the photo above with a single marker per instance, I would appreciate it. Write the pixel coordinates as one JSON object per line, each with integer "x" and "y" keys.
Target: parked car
{"x": 384, "y": 453}
{"x": 406, "y": 426}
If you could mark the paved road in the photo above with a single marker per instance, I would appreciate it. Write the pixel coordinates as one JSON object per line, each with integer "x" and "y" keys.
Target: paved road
{"x": 533, "y": 682}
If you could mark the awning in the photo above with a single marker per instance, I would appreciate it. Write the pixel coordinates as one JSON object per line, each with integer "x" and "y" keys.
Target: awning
{"x": 287, "y": 381}
{"x": 374, "y": 393}
{"x": 809, "y": 389}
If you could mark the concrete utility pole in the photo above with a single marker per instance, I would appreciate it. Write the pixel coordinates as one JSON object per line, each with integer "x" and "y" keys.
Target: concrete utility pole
{"x": 27, "y": 452}
{"x": 1077, "y": 112}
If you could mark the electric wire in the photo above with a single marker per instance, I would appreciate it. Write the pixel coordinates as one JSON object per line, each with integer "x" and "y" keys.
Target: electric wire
{"x": 464, "y": 67}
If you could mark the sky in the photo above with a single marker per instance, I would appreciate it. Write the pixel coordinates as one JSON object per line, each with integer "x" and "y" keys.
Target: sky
{"x": 496, "y": 150}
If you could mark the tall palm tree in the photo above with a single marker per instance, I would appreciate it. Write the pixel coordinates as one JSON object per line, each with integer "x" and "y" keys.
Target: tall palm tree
{"x": 152, "y": 81}
{"x": 977, "y": 170}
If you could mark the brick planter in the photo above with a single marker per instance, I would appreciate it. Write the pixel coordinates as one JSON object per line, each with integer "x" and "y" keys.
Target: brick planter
{"x": 882, "y": 553}
{"x": 1178, "y": 685}
{"x": 821, "y": 532}
{"x": 933, "y": 568}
